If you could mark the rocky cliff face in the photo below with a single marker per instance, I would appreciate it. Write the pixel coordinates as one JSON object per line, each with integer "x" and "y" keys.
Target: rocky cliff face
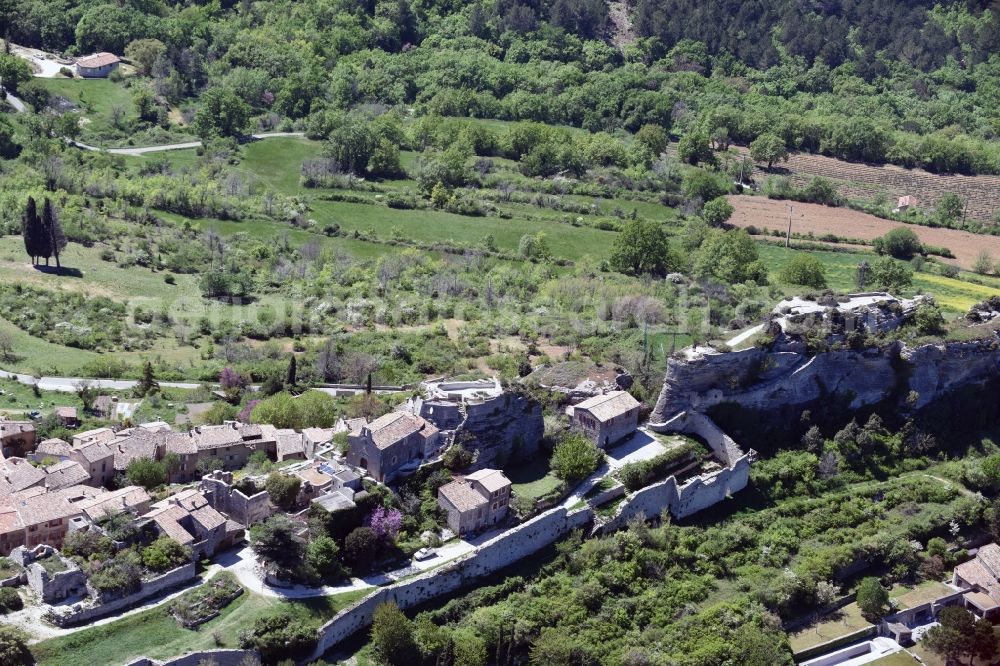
{"x": 763, "y": 380}
{"x": 502, "y": 429}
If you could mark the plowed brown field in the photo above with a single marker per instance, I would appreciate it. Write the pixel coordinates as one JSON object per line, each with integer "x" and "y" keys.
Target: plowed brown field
{"x": 765, "y": 213}
{"x": 866, "y": 182}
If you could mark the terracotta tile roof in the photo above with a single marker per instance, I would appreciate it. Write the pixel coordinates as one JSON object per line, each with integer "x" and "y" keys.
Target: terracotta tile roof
{"x": 216, "y": 437}
{"x": 95, "y": 451}
{"x": 169, "y": 520}
{"x": 96, "y": 435}
{"x": 66, "y": 412}
{"x": 181, "y": 443}
{"x": 354, "y": 426}
{"x": 139, "y": 444}
{"x": 207, "y": 517}
{"x": 461, "y": 495}
{"x": 318, "y": 435}
{"x": 57, "y": 448}
{"x": 64, "y": 474}
{"x": 395, "y": 427}
{"x": 9, "y": 520}
{"x": 255, "y": 431}
{"x": 129, "y": 498}
{"x": 16, "y": 474}
{"x": 606, "y": 407}
{"x": 35, "y": 508}
{"x": 103, "y": 404}
{"x": 102, "y": 59}
{"x": 491, "y": 479}
{"x": 977, "y": 574}
{"x": 989, "y": 555}
{"x": 290, "y": 443}
{"x": 11, "y": 428}
{"x": 187, "y": 513}
{"x": 156, "y": 426}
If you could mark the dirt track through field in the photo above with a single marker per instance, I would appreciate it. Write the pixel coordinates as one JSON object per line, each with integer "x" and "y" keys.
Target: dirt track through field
{"x": 769, "y": 214}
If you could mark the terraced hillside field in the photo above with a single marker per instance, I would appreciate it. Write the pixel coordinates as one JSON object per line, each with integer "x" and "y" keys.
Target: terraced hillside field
{"x": 765, "y": 213}
{"x": 864, "y": 182}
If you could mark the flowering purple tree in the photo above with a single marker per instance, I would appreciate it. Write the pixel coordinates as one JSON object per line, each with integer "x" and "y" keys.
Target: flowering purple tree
{"x": 231, "y": 379}
{"x": 385, "y": 523}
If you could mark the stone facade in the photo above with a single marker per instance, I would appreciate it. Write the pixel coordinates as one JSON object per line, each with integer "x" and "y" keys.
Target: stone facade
{"x": 50, "y": 587}
{"x": 608, "y": 418}
{"x": 224, "y": 497}
{"x": 392, "y": 444}
{"x": 97, "y": 608}
{"x": 478, "y": 500}
{"x": 17, "y": 438}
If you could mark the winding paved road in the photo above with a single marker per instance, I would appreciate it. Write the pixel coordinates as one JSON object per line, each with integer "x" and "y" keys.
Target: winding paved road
{"x": 70, "y": 384}
{"x": 170, "y": 146}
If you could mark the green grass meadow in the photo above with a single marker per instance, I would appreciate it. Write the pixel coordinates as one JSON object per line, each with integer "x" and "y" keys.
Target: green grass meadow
{"x": 156, "y": 634}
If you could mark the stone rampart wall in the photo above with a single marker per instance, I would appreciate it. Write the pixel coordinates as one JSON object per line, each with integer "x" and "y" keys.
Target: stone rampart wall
{"x": 488, "y": 558}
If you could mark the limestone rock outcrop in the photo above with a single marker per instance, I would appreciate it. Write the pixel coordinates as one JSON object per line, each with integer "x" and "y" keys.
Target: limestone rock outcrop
{"x": 786, "y": 375}
{"x": 502, "y": 429}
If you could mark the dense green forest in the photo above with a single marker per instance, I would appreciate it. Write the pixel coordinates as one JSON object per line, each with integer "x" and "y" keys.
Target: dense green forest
{"x": 907, "y": 83}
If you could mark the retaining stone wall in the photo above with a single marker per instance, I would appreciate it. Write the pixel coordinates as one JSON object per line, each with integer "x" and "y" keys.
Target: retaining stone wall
{"x": 81, "y": 615}
{"x": 220, "y": 657}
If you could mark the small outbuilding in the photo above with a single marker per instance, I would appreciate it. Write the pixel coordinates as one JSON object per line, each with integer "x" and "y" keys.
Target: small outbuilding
{"x": 67, "y": 416}
{"x": 97, "y": 66}
{"x": 904, "y": 203}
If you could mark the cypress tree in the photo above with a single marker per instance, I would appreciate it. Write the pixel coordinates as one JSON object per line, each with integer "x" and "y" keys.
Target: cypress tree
{"x": 147, "y": 383}
{"x": 292, "y": 372}
{"x": 56, "y": 239}
{"x": 31, "y": 230}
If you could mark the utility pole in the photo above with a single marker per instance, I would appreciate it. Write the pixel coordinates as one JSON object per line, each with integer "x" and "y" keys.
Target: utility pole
{"x": 965, "y": 210}
{"x": 788, "y": 236}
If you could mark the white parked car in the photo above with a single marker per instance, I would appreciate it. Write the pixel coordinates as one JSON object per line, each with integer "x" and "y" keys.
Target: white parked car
{"x": 424, "y": 554}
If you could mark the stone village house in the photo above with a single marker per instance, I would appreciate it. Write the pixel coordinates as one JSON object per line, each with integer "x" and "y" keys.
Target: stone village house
{"x": 981, "y": 576}
{"x": 607, "y": 419}
{"x": 36, "y": 515}
{"x": 478, "y": 500}
{"x": 390, "y": 443}
{"x": 190, "y": 519}
{"x": 17, "y": 438}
